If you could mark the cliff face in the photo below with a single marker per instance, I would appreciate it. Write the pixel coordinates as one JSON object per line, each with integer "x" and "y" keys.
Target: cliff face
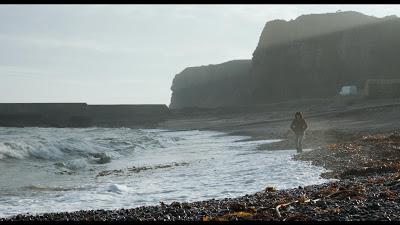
{"x": 280, "y": 31}
{"x": 311, "y": 56}
{"x": 210, "y": 86}
{"x": 318, "y": 66}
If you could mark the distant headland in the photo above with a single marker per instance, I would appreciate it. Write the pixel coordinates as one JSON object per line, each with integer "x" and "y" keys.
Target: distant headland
{"x": 311, "y": 56}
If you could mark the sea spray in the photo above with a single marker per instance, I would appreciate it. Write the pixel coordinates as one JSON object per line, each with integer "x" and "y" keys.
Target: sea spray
{"x": 69, "y": 169}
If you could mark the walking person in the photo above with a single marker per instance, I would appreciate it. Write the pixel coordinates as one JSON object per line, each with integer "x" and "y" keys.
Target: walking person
{"x": 298, "y": 126}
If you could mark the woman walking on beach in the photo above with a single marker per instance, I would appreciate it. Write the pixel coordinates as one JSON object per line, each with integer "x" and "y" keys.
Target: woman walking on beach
{"x": 298, "y": 126}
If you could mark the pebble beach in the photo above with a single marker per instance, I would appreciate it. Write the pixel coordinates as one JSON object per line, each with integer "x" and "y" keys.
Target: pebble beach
{"x": 365, "y": 186}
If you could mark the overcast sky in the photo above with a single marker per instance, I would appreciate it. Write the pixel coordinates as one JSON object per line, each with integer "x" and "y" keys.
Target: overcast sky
{"x": 128, "y": 54}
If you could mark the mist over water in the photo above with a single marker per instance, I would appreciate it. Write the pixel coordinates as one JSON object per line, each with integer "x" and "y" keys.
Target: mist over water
{"x": 69, "y": 169}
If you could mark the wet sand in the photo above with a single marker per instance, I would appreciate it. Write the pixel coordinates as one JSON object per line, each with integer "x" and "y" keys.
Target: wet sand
{"x": 356, "y": 139}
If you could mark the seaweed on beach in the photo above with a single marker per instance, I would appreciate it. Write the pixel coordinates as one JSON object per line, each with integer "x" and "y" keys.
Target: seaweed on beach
{"x": 365, "y": 155}
{"x": 134, "y": 169}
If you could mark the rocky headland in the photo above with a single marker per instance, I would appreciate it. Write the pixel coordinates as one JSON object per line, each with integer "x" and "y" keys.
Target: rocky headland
{"x": 313, "y": 55}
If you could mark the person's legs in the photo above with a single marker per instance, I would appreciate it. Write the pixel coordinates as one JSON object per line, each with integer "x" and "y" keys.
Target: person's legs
{"x": 297, "y": 143}
{"x": 300, "y": 142}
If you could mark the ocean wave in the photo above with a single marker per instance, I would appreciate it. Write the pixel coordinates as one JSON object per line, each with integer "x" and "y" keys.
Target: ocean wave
{"x": 100, "y": 158}
{"x": 49, "y": 188}
{"x": 50, "y": 165}
{"x": 22, "y": 149}
{"x": 117, "y": 188}
{"x": 76, "y": 164}
{"x": 99, "y": 145}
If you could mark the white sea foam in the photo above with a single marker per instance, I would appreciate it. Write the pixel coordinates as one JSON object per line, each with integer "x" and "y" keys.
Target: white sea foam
{"x": 73, "y": 169}
{"x": 117, "y": 188}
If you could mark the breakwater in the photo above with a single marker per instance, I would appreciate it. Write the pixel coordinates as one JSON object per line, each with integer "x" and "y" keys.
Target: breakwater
{"x": 81, "y": 115}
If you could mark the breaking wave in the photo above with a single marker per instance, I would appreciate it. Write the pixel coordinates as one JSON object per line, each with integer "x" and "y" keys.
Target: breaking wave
{"x": 96, "y": 145}
{"x": 68, "y": 169}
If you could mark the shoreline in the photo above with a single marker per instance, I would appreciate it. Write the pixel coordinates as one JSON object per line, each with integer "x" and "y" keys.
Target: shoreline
{"x": 328, "y": 199}
{"x": 358, "y": 194}
{"x": 40, "y": 216}
{"x": 361, "y": 153}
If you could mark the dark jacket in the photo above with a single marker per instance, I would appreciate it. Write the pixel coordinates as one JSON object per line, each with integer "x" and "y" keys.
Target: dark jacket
{"x": 298, "y": 125}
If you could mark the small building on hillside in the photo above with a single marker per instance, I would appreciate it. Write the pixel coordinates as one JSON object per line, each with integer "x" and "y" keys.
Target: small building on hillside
{"x": 382, "y": 88}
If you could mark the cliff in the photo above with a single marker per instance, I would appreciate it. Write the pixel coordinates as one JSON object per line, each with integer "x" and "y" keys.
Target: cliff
{"x": 311, "y": 56}
{"x": 276, "y": 32}
{"x": 318, "y": 66}
{"x": 223, "y": 84}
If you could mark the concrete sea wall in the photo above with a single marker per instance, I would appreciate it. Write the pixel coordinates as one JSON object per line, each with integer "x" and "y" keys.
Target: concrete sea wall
{"x": 80, "y": 115}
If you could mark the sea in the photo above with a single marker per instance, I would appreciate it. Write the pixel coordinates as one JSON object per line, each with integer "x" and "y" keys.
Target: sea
{"x": 70, "y": 169}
